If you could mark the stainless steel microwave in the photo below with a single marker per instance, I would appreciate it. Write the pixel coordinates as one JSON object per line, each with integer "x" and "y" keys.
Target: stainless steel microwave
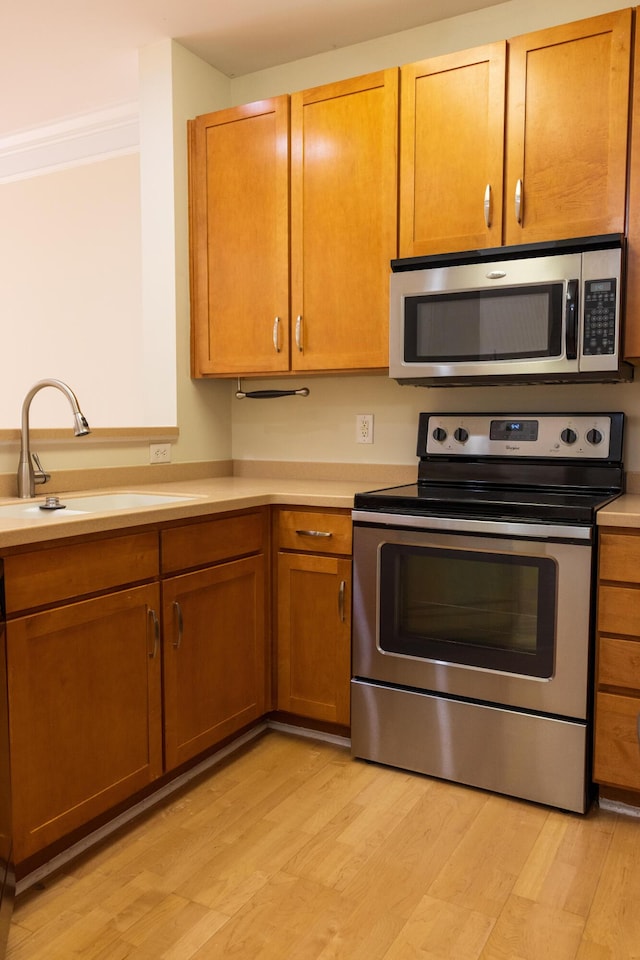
{"x": 548, "y": 312}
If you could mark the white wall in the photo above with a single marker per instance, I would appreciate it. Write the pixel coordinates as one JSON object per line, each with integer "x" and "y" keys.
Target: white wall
{"x": 71, "y": 261}
{"x": 70, "y": 294}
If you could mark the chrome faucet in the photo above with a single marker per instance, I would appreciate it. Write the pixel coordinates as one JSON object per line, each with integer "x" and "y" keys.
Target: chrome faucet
{"x": 27, "y": 476}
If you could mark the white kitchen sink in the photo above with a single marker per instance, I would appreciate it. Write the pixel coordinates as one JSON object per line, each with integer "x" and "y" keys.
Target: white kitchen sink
{"x": 94, "y": 503}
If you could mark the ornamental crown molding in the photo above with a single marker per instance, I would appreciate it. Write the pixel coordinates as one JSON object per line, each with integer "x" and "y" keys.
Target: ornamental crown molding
{"x": 69, "y": 142}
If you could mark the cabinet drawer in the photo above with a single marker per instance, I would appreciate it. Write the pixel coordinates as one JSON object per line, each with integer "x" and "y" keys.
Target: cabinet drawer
{"x": 314, "y": 531}
{"x": 617, "y": 747}
{"x": 620, "y": 557}
{"x": 619, "y": 610}
{"x": 211, "y": 541}
{"x": 65, "y": 572}
{"x": 619, "y": 663}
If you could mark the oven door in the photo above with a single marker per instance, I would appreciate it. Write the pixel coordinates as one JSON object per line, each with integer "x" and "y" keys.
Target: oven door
{"x": 495, "y": 612}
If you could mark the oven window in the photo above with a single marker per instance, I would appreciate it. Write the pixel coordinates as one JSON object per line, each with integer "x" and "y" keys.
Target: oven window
{"x": 514, "y": 323}
{"x": 489, "y": 610}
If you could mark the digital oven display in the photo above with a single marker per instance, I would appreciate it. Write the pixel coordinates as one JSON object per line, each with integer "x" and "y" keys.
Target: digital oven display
{"x": 514, "y": 430}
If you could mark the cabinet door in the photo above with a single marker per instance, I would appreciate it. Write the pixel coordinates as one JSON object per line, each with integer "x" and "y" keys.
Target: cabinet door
{"x": 617, "y": 741}
{"x": 451, "y": 151}
{"x": 85, "y": 712}
{"x": 343, "y": 222}
{"x": 632, "y": 307}
{"x": 239, "y": 233}
{"x": 214, "y": 655}
{"x": 567, "y": 121}
{"x": 314, "y": 636}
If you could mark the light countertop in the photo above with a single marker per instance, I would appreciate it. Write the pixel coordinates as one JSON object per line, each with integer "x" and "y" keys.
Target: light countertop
{"x": 206, "y": 496}
{"x": 217, "y": 495}
{"x": 623, "y": 512}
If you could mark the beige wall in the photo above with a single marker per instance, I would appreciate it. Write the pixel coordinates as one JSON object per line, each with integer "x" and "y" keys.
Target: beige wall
{"x": 322, "y": 427}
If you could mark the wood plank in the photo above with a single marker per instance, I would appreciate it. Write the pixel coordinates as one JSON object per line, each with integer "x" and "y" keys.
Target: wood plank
{"x": 291, "y": 849}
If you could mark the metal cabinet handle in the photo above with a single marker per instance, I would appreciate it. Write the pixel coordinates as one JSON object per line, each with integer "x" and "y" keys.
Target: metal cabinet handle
{"x": 276, "y": 334}
{"x": 518, "y": 201}
{"x": 299, "y": 343}
{"x": 177, "y": 613}
{"x": 638, "y": 727}
{"x": 341, "y": 593}
{"x": 155, "y": 624}
{"x": 314, "y": 533}
{"x": 487, "y": 206}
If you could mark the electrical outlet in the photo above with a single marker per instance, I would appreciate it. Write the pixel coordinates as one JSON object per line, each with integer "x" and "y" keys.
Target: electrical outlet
{"x": 364, "y": 428}
{"x": 159, "y": 453}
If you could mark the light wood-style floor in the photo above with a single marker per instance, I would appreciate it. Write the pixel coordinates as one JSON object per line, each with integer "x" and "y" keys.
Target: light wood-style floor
{"x": 292, "y": 851}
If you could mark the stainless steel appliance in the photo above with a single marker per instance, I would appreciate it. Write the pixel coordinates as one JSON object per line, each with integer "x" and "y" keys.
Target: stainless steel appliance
{"x": 531, "y": 313}
{"x": 7, "y": 877}
{"x": 473, "y": 603}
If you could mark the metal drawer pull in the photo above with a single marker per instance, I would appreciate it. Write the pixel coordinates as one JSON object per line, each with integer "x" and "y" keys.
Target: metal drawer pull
{"x": 518, "y": 200}
{"x": 314, "y": 533}
{"x": 276, "y": 334}
{"x": 299, "y": 344}
{"x": 177, "y": 613}
{"x": 341, "y": 593}
{"x": 487, "y": 206}
{"x": 151, "y": 615}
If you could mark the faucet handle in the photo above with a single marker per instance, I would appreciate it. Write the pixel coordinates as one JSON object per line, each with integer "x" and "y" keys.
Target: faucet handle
{"x": 39, "y": 474}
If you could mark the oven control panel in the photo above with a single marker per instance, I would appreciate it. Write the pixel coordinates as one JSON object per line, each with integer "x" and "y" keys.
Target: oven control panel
{"x": 576, "y": 436}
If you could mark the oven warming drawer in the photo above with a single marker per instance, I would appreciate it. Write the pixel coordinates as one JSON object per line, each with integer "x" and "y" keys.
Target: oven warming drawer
{"x": 533, "y": 757}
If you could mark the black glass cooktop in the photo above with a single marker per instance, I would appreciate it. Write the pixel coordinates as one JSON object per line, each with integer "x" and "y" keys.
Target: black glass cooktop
{"x": 425, "y": 499}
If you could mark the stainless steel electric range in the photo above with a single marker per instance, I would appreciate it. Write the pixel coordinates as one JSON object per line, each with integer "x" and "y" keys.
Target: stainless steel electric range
{"x": 473, "y": 603}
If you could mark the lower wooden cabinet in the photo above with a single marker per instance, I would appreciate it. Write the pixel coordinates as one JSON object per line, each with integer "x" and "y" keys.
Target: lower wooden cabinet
{"x": 214, "y": 655}
{"x": 130, "y": 655}
{"x": 617, "y": 707}
{"x": 85, "y": 711}
{"x": 617, "y": 754}
{"x": 314, "y": 615}
{"x": 123, "y": 663}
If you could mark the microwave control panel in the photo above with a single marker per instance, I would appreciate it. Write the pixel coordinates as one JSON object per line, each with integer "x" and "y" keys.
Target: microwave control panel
{"x": 599, "y": 317}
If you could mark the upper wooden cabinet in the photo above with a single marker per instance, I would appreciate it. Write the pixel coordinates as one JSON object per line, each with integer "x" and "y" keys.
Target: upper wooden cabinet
{"x": 632, "y": 309}
{"x": 343, "y": 222}
{"x": 564, "y": 140}
{"x": 567, "y": 130}
{"x": 343, "y": 193}
{"x": 452, "y": 145}
{"x": 239, "y": 234}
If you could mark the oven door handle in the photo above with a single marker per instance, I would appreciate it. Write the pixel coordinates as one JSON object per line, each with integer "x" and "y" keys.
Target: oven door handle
{"x": 508, "y": 528}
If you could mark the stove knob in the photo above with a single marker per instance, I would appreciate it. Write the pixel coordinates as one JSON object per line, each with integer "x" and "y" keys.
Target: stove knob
{"x": 461, "y": 435}
{"x": 568, "y": 435}
{"x": 440, "y": 434}
{"x": 594, "y": 437}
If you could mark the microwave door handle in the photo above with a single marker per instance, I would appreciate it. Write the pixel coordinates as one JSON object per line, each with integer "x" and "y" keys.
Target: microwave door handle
{"x": 571, "y": 333}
